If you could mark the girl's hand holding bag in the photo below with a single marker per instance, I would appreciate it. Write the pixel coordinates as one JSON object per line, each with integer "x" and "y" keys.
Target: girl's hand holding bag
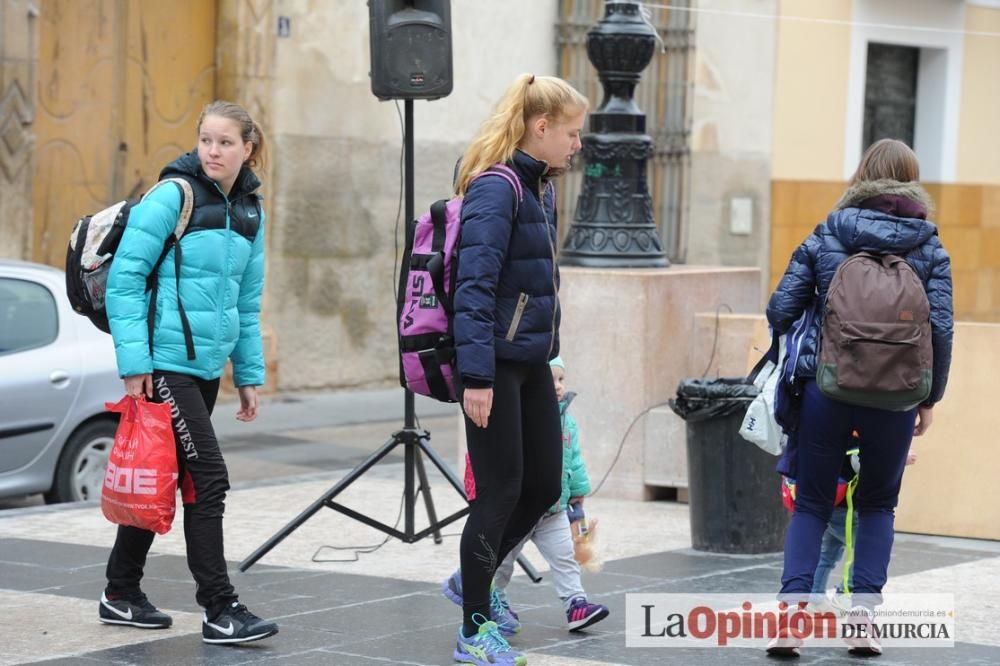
{"x": 140, "y": 484}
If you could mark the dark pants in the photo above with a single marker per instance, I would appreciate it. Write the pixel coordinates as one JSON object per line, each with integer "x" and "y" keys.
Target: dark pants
{"x": 204, "y": 481}
{"x": 517, "y": 464}
{"x": 825, "y": 428}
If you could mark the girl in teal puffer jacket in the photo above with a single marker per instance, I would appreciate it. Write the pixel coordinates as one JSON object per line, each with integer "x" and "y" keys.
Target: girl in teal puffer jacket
{"x": 206, "y": 314}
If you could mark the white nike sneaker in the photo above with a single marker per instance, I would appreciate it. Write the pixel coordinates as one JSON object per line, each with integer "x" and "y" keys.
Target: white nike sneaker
{"x": 235, "y": 624}
{"x": 136, "y": 612}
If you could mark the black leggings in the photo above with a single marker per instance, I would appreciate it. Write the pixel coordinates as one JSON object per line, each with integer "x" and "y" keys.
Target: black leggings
{"x": 517, "y": 464}
{"x": 204, "y": 481}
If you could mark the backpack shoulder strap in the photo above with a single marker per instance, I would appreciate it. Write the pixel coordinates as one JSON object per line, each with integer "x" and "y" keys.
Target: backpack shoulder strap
{"x": 507, "y": 174}
{"x": 187, "y": 202}
{"x": 173, "y": 241}
{"x": 435, "y": 266}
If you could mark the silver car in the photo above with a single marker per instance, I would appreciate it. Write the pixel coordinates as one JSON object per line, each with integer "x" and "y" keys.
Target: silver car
{"x": 56, "y": 372}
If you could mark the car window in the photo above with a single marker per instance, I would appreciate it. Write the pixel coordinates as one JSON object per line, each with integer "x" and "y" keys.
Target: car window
{"x": 28, "y": 316}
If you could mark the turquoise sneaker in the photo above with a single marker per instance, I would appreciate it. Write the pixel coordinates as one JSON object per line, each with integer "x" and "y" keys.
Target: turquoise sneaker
{"x": 487, "y": 648}
{"x": 501, "y": 613}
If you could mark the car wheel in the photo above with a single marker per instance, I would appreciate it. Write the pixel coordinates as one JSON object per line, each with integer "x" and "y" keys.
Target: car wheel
{"x": 80, "y": 473}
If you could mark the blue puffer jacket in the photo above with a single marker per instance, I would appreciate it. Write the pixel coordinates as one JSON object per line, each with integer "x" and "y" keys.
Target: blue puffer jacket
{"x": 882, "y": 217}
{"x": 506, "y": 298}
{"x": 221, "y": 281}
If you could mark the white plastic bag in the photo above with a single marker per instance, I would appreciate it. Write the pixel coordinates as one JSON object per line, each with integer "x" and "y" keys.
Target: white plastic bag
{"x": 759, "y": 425}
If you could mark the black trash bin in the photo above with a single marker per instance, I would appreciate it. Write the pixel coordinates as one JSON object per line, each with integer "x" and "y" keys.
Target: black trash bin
{"x": 734, "y": 493}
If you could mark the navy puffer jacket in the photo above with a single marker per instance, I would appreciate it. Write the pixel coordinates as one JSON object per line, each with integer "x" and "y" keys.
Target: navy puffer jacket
{"x": 506, "y": 298}
{"x": 882, "y": 217}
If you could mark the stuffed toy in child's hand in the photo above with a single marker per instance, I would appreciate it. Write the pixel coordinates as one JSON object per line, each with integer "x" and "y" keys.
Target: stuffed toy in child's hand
{"x": 584, "y": 539}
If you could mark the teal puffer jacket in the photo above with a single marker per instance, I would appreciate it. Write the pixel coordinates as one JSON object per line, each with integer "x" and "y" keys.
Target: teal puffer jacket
{"x": 221, "y": 280}
{"x": 575, "y": 481}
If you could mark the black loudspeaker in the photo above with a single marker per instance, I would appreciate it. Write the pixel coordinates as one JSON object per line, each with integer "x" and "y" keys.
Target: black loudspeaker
{"x": 410, "y": 48}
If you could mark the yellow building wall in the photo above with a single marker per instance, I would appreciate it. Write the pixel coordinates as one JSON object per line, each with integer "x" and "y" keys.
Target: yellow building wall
{"x": 810, "y": 107}
{"x": 978, "y": 139}
{"x": 951, "y": 490}
{"x": 810, "y": 117}
{"x": 968, "y": 217}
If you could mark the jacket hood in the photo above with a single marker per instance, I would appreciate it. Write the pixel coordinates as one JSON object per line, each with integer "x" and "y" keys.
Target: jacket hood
{"x": 858, "y": 194}
{"x": 862, "y": 224}
{"x": 188, "y": 164}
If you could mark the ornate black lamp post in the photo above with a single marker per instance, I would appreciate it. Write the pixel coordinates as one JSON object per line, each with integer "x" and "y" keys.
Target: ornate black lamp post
{"x": 613, "y": 225}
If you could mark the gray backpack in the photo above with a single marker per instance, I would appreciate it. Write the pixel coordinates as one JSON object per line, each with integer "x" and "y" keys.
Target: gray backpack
{"x": 875, "y": 347}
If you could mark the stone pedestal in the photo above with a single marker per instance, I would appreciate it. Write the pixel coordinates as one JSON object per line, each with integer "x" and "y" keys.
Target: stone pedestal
{"x": 723, "y": 345}
{"x": 628, "y": 337}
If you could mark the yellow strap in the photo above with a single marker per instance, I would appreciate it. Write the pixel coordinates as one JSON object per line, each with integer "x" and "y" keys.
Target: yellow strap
{"x": 849, "y": 533}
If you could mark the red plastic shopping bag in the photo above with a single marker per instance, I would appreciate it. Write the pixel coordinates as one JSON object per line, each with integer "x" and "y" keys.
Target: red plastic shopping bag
{"x": 140, "y": 484}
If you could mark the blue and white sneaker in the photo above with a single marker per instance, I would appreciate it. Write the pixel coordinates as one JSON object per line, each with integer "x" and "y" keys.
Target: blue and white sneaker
{"x": 452, "y": 588}
{"x": 502, "y": 614}
{"x": 487, "y": 648}
{"x": 500, "y": 611}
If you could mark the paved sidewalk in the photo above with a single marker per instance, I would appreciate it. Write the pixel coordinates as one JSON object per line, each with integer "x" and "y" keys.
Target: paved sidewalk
{"x": 385, "y": 606}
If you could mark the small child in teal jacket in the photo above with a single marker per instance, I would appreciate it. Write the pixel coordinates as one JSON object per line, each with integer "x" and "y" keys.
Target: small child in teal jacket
{"x": 552, "y": 535}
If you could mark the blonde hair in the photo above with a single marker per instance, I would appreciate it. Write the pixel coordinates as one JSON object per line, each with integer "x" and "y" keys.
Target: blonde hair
{"x": 250, "y": 131}
{"x": 887, "y": 159}
{"x": 528, "y": 97}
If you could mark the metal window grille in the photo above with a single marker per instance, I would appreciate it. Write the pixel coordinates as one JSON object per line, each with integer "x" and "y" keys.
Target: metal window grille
{"x": 663, "y": 94}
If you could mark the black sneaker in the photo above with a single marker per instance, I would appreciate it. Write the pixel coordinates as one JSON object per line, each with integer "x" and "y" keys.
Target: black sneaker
{"x": 132, "y": 612}
{"x": 235, "y": 624}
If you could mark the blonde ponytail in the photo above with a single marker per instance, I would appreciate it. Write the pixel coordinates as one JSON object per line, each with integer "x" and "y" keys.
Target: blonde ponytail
{"x": 528, "y": 97}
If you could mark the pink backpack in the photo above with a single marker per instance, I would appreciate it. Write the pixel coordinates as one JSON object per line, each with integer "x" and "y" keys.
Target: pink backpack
{"x": 425, "y": 308}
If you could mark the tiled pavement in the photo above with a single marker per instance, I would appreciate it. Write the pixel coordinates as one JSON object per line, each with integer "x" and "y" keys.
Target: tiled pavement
{"x": 386, "y": 606}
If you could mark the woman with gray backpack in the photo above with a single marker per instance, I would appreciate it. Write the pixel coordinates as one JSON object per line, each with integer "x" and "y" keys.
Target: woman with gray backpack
{"x": 209, "y": 312}
{"x": 875, "y": 361}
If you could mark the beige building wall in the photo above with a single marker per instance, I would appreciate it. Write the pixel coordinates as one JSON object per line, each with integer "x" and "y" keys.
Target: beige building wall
{"x": 731, "y": 139}
{"x": 810, "y": 90}
{"x": 979, "y": 141}
{"x": 336, "y": 176}
{"x": 818, "y": 121}
{"x": 952, "y": 489}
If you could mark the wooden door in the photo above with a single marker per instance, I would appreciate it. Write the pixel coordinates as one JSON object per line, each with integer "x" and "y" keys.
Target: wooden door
{"x": 120, "y": 87}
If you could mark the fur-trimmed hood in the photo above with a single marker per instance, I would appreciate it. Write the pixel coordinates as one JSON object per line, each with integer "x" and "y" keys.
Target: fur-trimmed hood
{"x": 857, "y": 194}
{"x": 882, "y": 217}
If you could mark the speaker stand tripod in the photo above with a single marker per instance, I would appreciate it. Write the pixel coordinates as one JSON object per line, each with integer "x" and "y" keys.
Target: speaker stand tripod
{"x": 414, "y": 440}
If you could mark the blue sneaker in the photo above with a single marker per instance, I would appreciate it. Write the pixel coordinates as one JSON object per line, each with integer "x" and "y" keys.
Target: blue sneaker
{"x": 500, "y": 611}
{"x": 452, "y": 587}
{"x": 487, "y": 648}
